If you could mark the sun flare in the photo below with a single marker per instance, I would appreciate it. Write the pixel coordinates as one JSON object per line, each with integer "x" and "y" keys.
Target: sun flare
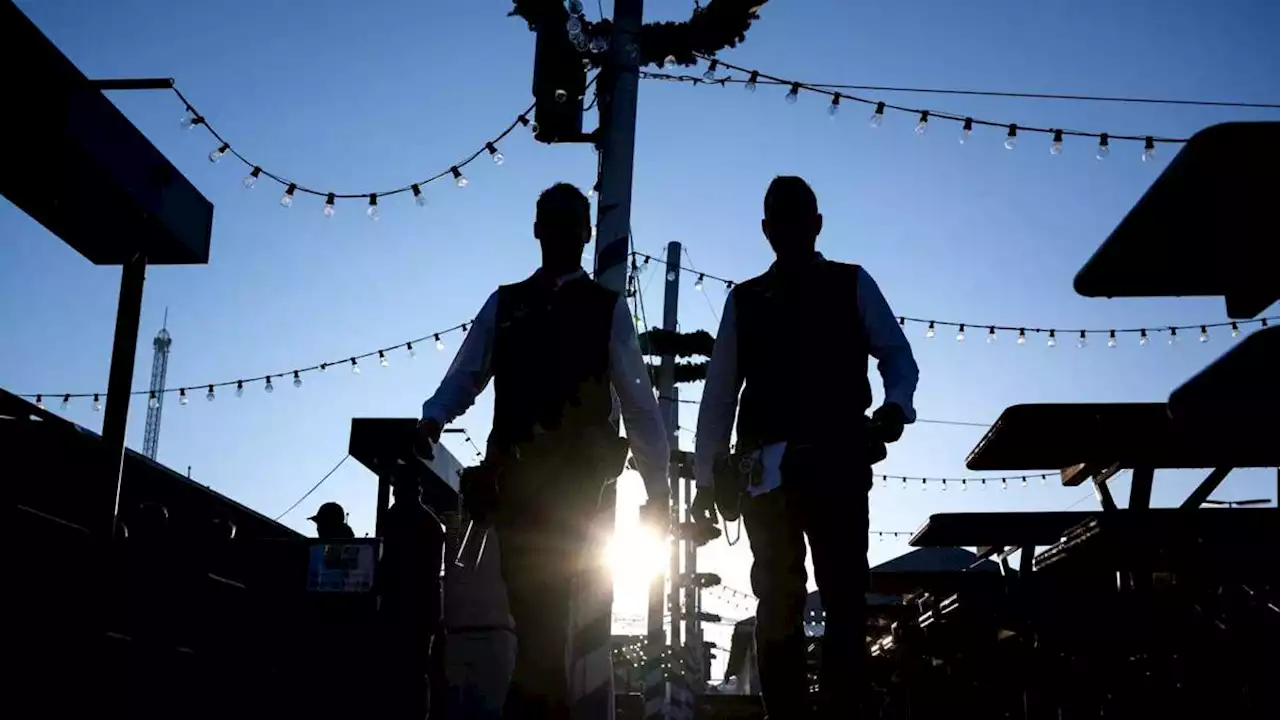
{"x": 635, "y": 555}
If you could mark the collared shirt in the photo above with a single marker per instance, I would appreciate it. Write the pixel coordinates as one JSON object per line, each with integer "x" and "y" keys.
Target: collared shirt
{"x": 472, "y": 370}
{"x": 886, "y": 343}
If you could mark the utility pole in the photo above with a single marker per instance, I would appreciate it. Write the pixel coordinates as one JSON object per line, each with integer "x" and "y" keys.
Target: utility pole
{"x": 669, "y": 403}
{"x": 617, "y": 88}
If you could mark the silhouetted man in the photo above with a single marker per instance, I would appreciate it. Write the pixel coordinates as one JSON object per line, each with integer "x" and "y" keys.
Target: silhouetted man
{"x": 331, "y": 522}
{"x": 796, "y": 342}
{"x": 410, "y": 571}
{"x": 553, "y": 344}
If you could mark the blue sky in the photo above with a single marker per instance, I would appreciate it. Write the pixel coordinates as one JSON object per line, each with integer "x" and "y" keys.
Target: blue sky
{"x": 359, "y": 97}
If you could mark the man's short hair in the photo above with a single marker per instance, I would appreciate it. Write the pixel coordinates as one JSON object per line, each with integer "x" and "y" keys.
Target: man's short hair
{"x": 790, "y": 196}
{"x": 562, "y": 197}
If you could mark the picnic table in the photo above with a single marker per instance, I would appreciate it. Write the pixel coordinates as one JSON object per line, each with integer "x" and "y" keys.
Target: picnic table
{"x": 1096, "y": 440}
{"x": 1205, "y": 227}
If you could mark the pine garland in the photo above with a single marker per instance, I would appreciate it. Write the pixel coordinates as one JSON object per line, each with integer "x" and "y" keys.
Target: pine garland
{"x": 721, "y": 24}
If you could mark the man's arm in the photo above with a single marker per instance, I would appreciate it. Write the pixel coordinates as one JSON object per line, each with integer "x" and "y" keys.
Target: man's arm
{"x": 470, "y": 372}
{"x": 630, "y": 378}
{"x": 719, "y": 398}
{"x": 888, "y": 345}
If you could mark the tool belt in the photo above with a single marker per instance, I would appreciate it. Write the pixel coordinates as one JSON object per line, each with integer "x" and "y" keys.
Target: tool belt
{"x": 484, "y": 487}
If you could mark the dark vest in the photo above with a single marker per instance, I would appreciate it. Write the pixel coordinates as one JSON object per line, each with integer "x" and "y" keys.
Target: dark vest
{"x": 802, "y": 354}
{"x": 551, "y": 364}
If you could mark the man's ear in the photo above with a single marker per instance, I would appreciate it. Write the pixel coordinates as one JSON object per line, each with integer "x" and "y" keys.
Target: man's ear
{"x": 817, "y": 225}
{"x": 764, "y": 227}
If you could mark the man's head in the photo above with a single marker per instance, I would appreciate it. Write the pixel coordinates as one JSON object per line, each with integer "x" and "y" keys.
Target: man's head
{"x": 329, "y": 514}
{"x": 562, "y": 226}
{"x": 791, "y": 218}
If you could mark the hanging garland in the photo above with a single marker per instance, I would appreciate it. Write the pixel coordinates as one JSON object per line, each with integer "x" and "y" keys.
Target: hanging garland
{"x": 721, "y": 24}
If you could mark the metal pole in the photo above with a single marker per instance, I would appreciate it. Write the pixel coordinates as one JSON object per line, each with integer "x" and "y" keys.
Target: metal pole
{"x": 692, "y": 631}
{"x": 618, "y": 88}
{"x": 670, "y": 404}
{"x": 124, "y": 349}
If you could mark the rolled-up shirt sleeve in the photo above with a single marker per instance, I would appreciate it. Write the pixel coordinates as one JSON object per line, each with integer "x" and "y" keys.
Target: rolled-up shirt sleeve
{"x": 719, "y": 403}
{"x": 470, "y": 372}
{"x": 650, "y": 442}
{"x": 889, "y": 346}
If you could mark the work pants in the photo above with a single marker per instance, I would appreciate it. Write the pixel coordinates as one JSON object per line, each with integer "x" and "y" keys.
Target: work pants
{"x": 544, "y": 520}
{"x": 479, "y": 663}
{"x": 823, "y": 497}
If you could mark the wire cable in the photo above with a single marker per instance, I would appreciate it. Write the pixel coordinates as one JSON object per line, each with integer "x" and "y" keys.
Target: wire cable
{"x": 315, "y": 487}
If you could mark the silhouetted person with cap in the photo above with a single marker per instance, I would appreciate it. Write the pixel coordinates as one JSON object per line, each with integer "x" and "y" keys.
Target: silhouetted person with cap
{"x": 558, "y": 346}
{"x": 331, "y": 522}
{"x": 795, "y": 342}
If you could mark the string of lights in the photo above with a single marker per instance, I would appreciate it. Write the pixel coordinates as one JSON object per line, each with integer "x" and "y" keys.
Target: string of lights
{"x": 268, "y": 381}
{"x": 753, "y": 78}
{"x": 992, "y": 331}
{"x": 194, "y": 118}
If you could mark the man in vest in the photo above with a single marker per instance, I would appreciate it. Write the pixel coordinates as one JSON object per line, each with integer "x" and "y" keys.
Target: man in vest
{"x": 558, "y": 347}
{"x": 796, "y": 342}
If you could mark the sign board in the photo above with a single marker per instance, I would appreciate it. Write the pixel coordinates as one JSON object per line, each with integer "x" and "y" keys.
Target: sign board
{"x": 342, "y": 566}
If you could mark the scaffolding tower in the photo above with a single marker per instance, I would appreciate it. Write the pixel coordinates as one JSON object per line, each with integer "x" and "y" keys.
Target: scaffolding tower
{"x": 155, "y": 401}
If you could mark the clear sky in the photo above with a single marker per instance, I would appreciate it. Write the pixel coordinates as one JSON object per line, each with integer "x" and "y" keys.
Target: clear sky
{"x": 366, "y": 96}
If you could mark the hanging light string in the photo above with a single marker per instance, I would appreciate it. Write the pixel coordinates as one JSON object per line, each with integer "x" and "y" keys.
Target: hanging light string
{"x": 755, "y": 78}
{"x": 991, "y": 331}
{"x": 194, "y": 118}
{"x": 184, "y": 393}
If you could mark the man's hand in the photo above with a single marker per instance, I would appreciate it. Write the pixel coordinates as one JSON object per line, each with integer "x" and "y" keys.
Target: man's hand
{"x": 656, "y": 515}
{"x": 703, "y": 510}
{"x": 887, "y": 423}
{"x": 426, "y": 437}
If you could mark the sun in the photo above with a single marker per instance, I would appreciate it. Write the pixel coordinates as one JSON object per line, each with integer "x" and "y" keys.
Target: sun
{"x": 636, "y": 554}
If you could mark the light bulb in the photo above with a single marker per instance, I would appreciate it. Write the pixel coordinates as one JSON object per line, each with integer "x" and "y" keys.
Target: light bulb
{"x": 1173, "y": 336}
{"x": 252, "y": 178}
{"x": 216, "y": 155}
{"x": 329, "y": 208}
{"x": 697, "y": 284}
{"x": 382, "y": 359}
{"x": 439, "y": 343}
{"x": 1235, "y": 330}
{"x": 1083, "y": 340}
{"x": 1112, "y": 341}
{"x": 209, "y": 395}
{"x": 671, "y": 276}
{"x": 670, "y": 62}
{"x": 1022, "y": 336}
{"x": 1055, "y": 148}
{"x": 412, "y": 353}
{"x": 750, "y": 85}
{"x": 1053, "y": 338}
{"x": 922, "y": 127}
{"x": 297, "y": 379}
{"x": 710, "y": 74}
{"x": 1011, "y": 140}
{"x": 834, "y": 108}
{"x": 287, "y": 199}
{"x": 40, "y": 401}
{"x": 66, "y": 402}
{"x": 967, "y": 131}
{"x": 153, "y": 402}
{"x": 793, "y": 94}
{"x": 269, "y": 387}
{"x": 930, "y": 333}
{"x": 239, "y": 388}
{"x": 418, "y": 198}
{"x": 598, "y": 44}
{"x": 877, "y": 117}
{"x": 561, "y": 96}
{"x": 574, "y": 26}
{"x": 1204, "y": 334}
{"x": 372, "y": 211}
{"x": 1149, "y": 150}
{"x": 1143, "y": 339}
{"x": 575, "y": 7}
{"x": 458, "y": 178}
{"x": 991, "y": 335}
{"x": 355, "y": 367}
{"x": 498, "y": 157}
{"x": 960, "y": 334}
{"x": 97, "y": 403}
{"x": 1104, "y": 147}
